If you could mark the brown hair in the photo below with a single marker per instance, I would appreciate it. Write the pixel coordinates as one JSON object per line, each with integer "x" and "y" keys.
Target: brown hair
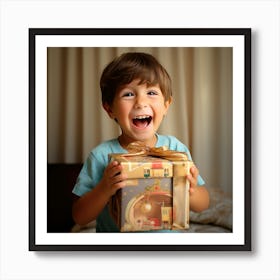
{"x": 133, "y": 65}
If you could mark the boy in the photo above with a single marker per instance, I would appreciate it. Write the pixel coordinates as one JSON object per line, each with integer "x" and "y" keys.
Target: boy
{"x": 136, "y": 93}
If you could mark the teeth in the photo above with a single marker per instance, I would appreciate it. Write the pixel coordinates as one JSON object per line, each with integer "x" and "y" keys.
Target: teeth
{"x": 142, "y": 117}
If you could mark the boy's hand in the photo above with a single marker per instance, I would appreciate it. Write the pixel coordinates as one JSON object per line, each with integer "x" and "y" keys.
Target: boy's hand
{"x": 199, "y": 196}
{"x": 192, "y": 177}
{"x": 113, "y": 178}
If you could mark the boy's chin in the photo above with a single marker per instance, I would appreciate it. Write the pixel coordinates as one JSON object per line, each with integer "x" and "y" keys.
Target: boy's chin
{"x": 148, "y": 136}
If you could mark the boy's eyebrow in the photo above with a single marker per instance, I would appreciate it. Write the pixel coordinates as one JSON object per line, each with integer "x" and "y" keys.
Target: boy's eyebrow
{"x": 124, "y": 87}
{"x": 156, "y": 86}
{"x": 153, "y": 86}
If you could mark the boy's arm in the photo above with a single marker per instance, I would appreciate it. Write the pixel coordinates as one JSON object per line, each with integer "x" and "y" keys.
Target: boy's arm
{"x": 199, "y": 196}
{"x": 88, "y": 207}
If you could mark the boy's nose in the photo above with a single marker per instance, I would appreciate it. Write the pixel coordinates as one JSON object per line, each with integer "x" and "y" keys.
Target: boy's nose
{"x": 141, "y": 102}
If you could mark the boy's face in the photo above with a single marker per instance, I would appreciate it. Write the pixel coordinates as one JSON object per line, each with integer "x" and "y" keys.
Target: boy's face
{"x": 139, "y": 110}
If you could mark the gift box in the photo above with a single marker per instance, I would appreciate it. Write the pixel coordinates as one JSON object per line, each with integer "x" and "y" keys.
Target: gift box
{"x": 156, "y": 195}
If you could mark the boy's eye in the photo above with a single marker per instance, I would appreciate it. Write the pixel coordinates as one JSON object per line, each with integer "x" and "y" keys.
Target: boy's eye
{"x": 128, "y": 94}
{"x": 152, "y": 93}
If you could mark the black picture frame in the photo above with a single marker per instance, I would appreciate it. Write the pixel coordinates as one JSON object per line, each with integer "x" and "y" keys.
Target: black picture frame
{"x": 34, "y": 34}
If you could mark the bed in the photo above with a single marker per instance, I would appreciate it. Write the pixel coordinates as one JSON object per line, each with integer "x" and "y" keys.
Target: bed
{"x": 61, "y": 179}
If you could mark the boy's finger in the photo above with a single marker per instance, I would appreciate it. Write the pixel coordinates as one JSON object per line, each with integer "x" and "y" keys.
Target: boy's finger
{"x": 191, "y": 190}
{"x": 121, "y": 177}
{"x": 190, "y": 178}
{"x": 113, "y": 164}
{"x": 119, "y": 185}
{"x": 194, "y": 171}
{"x": 114, "y": 169}
{"x": 110, "y": 166}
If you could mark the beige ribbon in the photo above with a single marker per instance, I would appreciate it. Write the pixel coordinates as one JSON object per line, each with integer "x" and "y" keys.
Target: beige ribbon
{"x": 138, "y": 148}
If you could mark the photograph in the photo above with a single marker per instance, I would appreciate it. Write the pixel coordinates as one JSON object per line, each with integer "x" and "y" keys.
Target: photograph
{"x": 140, "y": 139}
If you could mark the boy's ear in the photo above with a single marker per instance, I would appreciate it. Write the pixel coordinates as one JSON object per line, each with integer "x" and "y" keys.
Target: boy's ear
{"x": 167, "y": 104}
{"x": 108, "y": 109}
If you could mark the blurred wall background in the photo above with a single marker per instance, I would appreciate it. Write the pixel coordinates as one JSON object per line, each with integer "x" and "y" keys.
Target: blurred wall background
{"x": 200, "y": 114}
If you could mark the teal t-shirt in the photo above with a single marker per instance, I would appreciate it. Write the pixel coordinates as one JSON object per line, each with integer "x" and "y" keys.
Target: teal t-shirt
{"x": 93, "y": 168}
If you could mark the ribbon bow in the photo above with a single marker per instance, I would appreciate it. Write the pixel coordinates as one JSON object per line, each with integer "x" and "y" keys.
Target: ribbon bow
{"x": 140, "y": 149}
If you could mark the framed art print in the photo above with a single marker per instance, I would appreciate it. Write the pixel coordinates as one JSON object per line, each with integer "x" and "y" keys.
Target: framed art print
{"x": 210, "y": 113}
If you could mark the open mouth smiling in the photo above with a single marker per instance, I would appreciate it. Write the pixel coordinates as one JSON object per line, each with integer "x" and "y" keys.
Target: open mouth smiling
{"x": 142, "y": 121}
